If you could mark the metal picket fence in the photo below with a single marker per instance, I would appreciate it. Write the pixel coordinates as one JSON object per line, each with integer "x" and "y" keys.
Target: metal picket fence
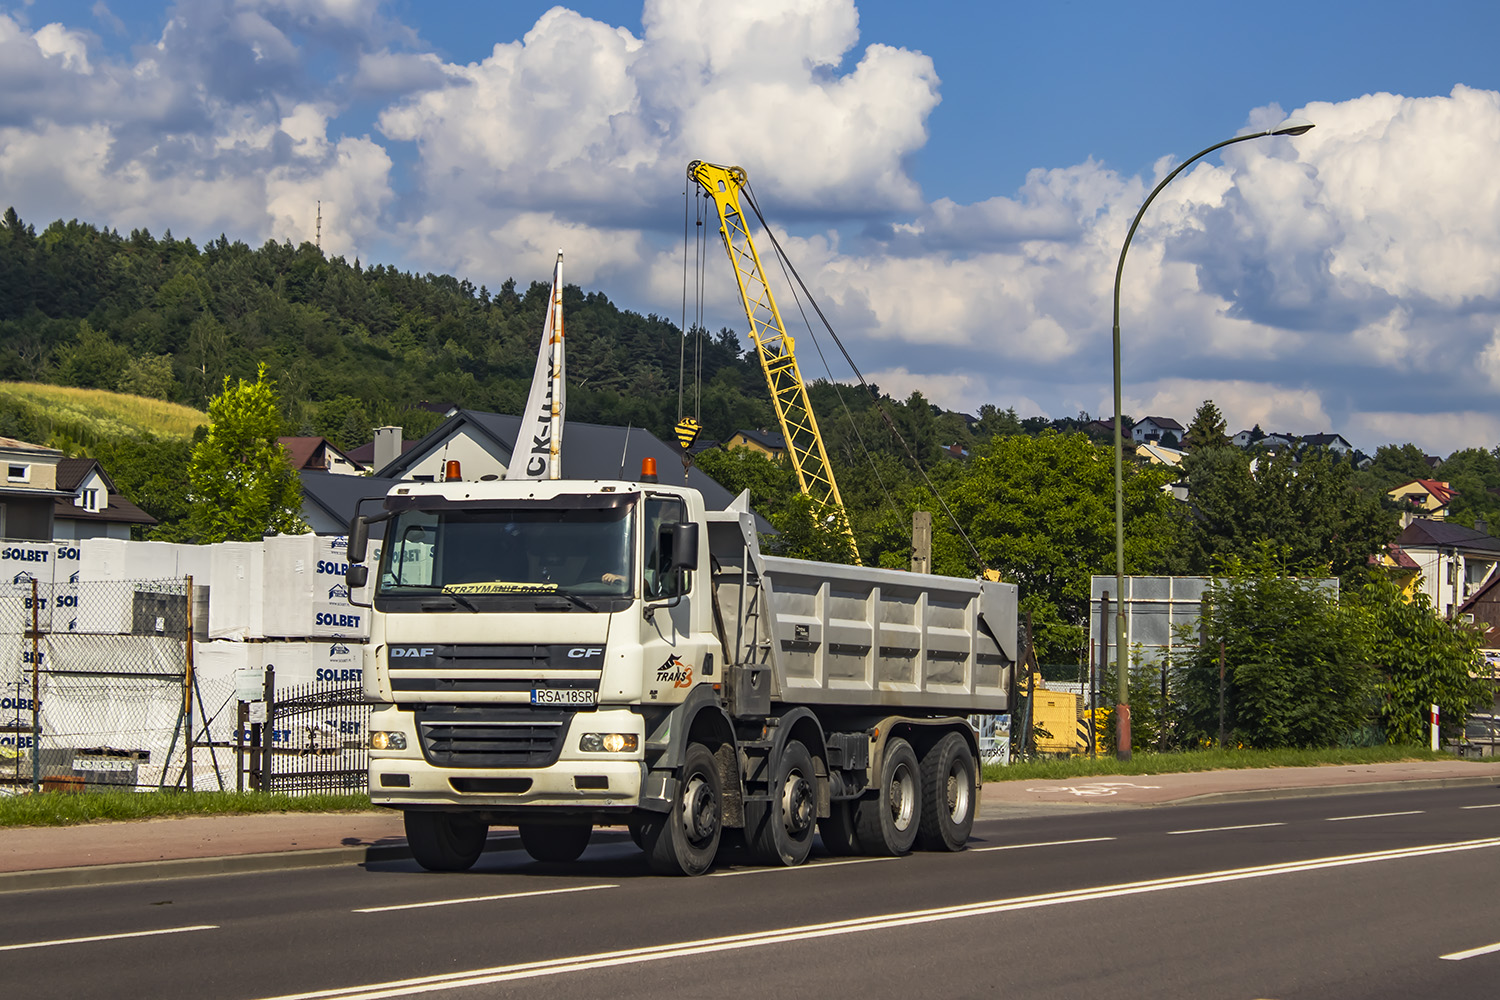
{"x": 94, "y": 684}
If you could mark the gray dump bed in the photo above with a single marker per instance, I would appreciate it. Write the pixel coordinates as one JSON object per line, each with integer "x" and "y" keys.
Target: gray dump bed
{"x": 851, "y": 635}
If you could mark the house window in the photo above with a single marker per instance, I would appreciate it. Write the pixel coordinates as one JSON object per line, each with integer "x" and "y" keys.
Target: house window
{"x": 91, "y": 499}
{"x": 19, "y": 473}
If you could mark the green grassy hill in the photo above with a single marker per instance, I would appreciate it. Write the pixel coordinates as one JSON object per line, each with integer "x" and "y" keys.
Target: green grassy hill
{"x": 75, "y": 420}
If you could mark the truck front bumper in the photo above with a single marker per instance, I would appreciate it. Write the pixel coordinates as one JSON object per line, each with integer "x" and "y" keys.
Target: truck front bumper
{"x": 577, "y": 780}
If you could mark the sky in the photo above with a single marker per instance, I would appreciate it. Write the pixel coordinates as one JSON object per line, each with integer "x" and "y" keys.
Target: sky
{"x": 953, "y": 180}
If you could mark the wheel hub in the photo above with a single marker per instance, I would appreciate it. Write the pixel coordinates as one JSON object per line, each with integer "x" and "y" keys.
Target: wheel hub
{"x": 797, "y": 804}
{"x": 700, "y": 811}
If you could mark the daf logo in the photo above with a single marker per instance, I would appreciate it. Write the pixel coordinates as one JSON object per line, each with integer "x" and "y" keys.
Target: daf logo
{"x": 411, "y": 651}
{"x": 584, "y": 652}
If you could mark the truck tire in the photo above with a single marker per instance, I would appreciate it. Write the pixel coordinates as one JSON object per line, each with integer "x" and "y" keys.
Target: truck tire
{"x": 836, "y": 830}
{"x": 556, "y": 842}
{"x": 947, "y": 795}
{"x": 784, "y": 835}
{"x": 444, "y": 841}
{"x": 684, "y": 840}
{"x": 886, "y": 820}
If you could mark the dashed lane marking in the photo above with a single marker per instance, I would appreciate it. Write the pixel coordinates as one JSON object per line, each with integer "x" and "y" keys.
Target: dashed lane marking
{"x": 107, "y": 937}
{"x": 1222, "y": 829}
{"x": 1045, "y": 843}
{"x": 481, "y": 899}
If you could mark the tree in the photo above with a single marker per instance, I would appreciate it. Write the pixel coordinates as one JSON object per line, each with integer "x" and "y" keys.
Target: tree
{"x": 1041, "y": 510}
{"x": 243, "y": 486}
{"x": 1297, "y": 671}
{"x": 1208, "y": 429}
{"x": 93, "y": 361}
{"x": 1312, "y": 512}
{"x": 1422, "y": 659}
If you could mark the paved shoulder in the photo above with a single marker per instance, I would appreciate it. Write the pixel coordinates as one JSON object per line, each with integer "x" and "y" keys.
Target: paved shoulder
{"x": 1018, "y": 797}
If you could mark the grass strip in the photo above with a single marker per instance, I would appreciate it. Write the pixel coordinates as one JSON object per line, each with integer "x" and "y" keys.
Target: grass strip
{"x": 1203, "y": 760}
{"x": 60, "y": 809}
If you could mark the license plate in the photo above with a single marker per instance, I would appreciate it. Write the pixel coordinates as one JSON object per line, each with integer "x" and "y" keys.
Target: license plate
{"x": 561, "y": 696}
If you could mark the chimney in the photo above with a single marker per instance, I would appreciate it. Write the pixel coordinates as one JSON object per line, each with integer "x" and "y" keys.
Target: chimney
{"x": 387, "y": 446}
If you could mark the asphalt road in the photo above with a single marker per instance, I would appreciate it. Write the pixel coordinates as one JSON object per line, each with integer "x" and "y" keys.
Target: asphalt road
{"x": 1380, "y": 895}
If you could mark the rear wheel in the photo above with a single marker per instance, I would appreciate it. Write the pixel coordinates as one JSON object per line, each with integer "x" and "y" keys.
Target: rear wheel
{"x": 785, "y": 834}
{"x": 887, "y": 818}
{"x": 684, "y": 840}
{"x": 947, "y": 795}
{"x": 445, "y": 842}
{"x": 557, "y": 842}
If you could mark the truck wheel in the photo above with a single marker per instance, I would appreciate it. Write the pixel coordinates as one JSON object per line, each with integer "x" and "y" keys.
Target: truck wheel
{"x": 559, "y": 842}
{"x": 785, "y": 833}
{"x": 837, "y": 830}
{"x": 947, "y": 795}
{"x": 443, "y": 841}
{"x": 685, "y": 840}
{"x": 887, "y": 819}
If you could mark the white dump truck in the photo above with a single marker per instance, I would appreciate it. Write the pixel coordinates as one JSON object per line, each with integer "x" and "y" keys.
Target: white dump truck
{"x": 560, "y": 655}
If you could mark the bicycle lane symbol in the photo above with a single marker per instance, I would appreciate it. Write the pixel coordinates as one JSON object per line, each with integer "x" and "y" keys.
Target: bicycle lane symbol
{"x": 1094, "y": 788}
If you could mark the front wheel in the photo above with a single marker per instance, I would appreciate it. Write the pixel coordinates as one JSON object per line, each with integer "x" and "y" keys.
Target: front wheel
{"x": 555, "y": 842}
{"x": 947, "y": 795}
{"x": 785, "y": 833}
{"x": 684, "y": 840}
{"x": 445, "y": 842}
{"x": 887, "y": 818}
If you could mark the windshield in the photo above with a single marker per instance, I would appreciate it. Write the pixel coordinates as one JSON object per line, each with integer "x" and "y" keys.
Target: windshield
{"x": 507, "y": 551}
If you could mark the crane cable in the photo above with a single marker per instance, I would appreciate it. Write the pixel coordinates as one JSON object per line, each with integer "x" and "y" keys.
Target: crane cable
{"x": 786, "y": 264}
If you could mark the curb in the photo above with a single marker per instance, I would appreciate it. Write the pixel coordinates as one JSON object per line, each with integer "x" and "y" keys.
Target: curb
{"x": 997, "y": 810}
{"x": 1265, "y": 794}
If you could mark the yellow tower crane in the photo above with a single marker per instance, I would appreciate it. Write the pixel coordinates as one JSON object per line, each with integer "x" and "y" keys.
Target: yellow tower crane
{"x": 773, "y": 345}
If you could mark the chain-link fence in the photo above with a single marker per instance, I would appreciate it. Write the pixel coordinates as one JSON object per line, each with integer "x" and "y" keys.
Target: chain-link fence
{"x": 94, "y": 684}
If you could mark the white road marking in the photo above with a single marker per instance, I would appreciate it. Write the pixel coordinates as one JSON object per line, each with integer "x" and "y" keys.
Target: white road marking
{"x": 1046, "y": 843}
{"x": 797, "y": 868}
{"x": 1340, "y": 819}
{"x": 1092, "y": 788}
{"x": 1221, "y": 829}
{"x": 1487, "y": 805}
{"x": 811, "y": 932}
{"x": 108, "y": 937}
{"x": 1459, "y": 956}
{"x": 482, "y": 899}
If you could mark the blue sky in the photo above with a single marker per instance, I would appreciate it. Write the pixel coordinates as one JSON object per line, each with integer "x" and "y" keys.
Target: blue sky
{"x": 953, "y": 179}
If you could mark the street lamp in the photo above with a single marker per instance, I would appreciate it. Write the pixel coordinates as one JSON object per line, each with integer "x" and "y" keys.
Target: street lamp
{"x": 1292, "y": 126}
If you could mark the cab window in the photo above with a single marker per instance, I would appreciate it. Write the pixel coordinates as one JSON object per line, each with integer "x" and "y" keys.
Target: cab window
{"x": 661, "y": 513}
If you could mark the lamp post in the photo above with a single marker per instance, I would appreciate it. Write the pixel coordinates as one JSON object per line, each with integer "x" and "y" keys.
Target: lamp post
{"x": 1292, "y": 126}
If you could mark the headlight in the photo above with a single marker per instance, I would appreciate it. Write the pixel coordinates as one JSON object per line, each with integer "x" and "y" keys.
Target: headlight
{"x": 387, "y": 741}
{"x": 609, "y": 742}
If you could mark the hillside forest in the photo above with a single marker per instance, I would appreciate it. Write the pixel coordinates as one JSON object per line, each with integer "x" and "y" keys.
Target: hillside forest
{"x": 352, "y": 346}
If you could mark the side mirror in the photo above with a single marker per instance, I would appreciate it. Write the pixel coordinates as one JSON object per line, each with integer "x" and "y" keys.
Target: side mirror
{"x": 684, "y": 546}
{"x": 359, "y": 540}
{"x": 357, "y": 576}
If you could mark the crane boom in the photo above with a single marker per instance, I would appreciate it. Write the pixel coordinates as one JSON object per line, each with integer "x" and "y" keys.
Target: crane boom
{"x": 774, "y": 347}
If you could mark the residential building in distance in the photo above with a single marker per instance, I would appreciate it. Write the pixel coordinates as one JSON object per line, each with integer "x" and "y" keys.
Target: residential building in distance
{"x": 319, "y": 455}
{"x": 93, "y": 507}
{"x": 1335, "y": 443}
{"x": 1154, "y": 429}
{"x": 1424, "y": 498}
{"x": 768, "y": 443}
{"x": 1453, "y": 562}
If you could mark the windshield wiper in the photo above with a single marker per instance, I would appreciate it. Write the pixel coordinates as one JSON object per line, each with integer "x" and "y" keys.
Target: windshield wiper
{"x": 430, "y": 605}
{"x": 574, "y": 598}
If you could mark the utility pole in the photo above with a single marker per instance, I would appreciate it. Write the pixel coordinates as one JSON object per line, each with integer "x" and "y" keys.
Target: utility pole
{"x": 921, "y": 541}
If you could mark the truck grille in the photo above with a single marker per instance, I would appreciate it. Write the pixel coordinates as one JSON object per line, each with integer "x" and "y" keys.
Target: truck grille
{"x": 455, "y": 736}
{"x": 497, "y": 674}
